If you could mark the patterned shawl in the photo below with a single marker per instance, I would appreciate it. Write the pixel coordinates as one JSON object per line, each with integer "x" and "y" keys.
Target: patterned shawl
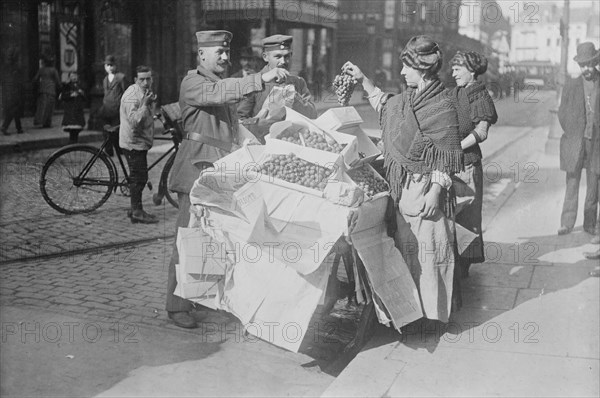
{"x": 473, "y": 104}
{"x": 420, "y": 134}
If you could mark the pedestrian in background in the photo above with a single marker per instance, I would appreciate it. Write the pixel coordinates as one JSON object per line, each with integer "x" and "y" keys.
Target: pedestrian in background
{"x": 210, "y": 121}
{"x": 246, "y": 63}
{"x": 114, "y": 85}
{"x": 579, "y": 145}
{"x": 48, "y": 83}
{"x": 73, "y": 99}
{"x": 136, "y": 136}
{"x": 12, "y": 82}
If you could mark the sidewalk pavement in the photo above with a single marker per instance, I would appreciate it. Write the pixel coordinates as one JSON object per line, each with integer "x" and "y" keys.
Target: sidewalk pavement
{"x": 47, "y": 353}
{"x": 529, "y": 323}
{"x": 36, "y": 138}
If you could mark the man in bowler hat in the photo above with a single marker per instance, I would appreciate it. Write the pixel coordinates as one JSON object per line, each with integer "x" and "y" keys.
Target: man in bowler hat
{"x": 210, "y": 122}
{"x": 246, "y": 58}
{"x": 579, "y": 118}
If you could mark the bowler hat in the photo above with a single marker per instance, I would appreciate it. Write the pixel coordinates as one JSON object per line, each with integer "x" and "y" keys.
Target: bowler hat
{"x": 277, "y": 42}
{"x": 586, "y": 52}
{"x": 246, "y": 52}
{"x": 214, "y": 38}
{"x": 110, "y": 60}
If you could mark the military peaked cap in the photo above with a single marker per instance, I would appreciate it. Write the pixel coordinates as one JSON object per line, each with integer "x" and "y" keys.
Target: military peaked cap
{"x": 277, "y": 42}
{"x": 214, "y": 38}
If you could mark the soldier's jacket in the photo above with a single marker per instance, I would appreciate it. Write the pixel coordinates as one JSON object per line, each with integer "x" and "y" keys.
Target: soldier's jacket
{"x": 208, "y": 107}
{"x": 253, "y": 103}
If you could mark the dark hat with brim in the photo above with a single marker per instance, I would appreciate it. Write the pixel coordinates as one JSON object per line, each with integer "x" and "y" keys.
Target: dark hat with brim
{"x": 110, "y": 60}
{"x": 246, "y": 52}
{"x": 214, "y": 38}
{"x": 586, "y": 52}
{"x": 277, "y": 42}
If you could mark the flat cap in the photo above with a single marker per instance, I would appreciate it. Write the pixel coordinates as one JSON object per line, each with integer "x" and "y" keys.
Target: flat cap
{"x": 214, "y": 38}
{"x": 277, "y": 42}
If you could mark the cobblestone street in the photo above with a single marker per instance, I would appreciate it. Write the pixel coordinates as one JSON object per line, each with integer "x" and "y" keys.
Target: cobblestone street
{"x": 30, "y": 228}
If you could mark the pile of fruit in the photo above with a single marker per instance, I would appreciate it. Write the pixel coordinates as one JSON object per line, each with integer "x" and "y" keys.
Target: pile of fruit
{"x": 315, "y": 140}
{"x": 343, "y": 85}
{"x": 366, "y": 180}
{"x": 292, "y": 169}
{"x": 310, "y": 139}
{"x": 290, "y": 135}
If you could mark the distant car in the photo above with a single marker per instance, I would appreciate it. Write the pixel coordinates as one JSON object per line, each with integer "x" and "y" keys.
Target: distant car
{"x": 540, "y": 74}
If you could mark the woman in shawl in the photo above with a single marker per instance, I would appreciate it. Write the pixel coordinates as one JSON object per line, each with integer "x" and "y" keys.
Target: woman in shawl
{"x": 476, "y": 112}
{"x": 421, "y": 151}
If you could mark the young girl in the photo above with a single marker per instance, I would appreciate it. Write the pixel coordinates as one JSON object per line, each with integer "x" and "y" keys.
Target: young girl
{"x": 73, "y": 98}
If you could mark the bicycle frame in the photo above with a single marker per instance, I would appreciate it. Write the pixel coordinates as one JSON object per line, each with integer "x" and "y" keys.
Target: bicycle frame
{"x": 164, "y": 155}
{"x": 78, "y": 181}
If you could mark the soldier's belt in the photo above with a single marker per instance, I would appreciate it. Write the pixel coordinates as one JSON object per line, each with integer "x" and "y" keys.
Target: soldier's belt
{"x": 226, "y": 146}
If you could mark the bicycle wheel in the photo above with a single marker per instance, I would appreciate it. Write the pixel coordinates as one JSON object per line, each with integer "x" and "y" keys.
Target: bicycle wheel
{"x": 66, "y": 191}
{"x": 164, "y": 181}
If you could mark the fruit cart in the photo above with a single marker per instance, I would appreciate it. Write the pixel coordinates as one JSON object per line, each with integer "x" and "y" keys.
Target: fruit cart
{"x": 267, "y": 216}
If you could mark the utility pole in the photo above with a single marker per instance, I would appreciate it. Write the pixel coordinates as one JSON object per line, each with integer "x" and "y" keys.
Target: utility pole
{"x": 564, "y": 49}
{"x": 553, "y": 142}
{"x": 272, "y": 25}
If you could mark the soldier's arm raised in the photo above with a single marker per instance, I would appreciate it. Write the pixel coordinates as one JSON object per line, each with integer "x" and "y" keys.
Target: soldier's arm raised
{"x": 199, "y": 91}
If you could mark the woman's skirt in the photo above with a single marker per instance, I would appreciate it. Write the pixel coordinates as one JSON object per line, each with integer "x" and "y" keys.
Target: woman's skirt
{"x": 44, "y": 110}
{"x": 468, "y": 186}
{"x": 427, "y": 246}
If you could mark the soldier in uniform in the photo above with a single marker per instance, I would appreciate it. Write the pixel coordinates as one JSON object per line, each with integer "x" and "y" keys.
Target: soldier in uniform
{"x": 277, "y": 53}
{"x": 210, "y": 122}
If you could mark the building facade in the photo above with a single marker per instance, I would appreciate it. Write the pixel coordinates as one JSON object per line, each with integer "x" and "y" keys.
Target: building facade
{"x": 537, "y": 37}
{"x": 485, "y": 22}
{"x": 312, "y": 23}
{"x": 373, "y": 33}
{"x": 78, "y": 34}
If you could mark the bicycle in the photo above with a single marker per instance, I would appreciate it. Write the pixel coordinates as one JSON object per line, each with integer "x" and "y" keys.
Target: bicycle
{"x": 80, "y": 178}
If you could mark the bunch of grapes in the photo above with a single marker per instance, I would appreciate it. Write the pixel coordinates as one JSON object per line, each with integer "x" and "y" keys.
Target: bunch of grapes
{"x": 367, "y": 181}
{"x": 343, "y": 85}
{"x": 292, "y": 169}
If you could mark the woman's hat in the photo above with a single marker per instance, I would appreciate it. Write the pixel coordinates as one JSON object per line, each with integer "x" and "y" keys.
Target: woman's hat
{"x": 586, "y": 52}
